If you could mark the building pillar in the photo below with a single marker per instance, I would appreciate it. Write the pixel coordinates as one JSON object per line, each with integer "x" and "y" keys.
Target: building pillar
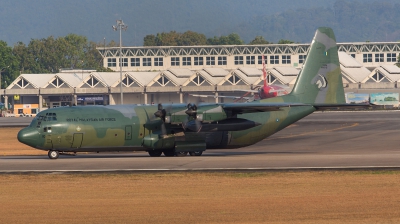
{"x": 180, "y": 97}
{"x": 216, "y": 97}
{"x": 111, "y": 100}
{"x": 5, "y": 101}
{"x": 40, "y": 103}
{"x": 145, "y": 98}
{"x": 75, "y": 100}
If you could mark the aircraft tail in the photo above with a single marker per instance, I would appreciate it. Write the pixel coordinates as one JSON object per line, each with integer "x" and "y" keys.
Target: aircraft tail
{"x": 264, "y": 72}
{"x": 320, "y": 81}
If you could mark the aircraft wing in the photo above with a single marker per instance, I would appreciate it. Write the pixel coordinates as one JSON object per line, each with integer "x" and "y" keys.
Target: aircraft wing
{"x": 213, "y": 96}
{"x": 258, "y": 107}
{"x": 246, "y": 90}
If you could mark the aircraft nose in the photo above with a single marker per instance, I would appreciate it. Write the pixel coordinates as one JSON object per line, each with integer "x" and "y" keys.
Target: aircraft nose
{"x": 29, "y": 136}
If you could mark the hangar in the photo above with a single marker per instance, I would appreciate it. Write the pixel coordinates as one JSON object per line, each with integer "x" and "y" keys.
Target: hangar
{"x": 169, "y": 74}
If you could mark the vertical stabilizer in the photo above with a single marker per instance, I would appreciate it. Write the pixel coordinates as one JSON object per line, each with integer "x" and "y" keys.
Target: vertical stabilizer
{"x": 320, "y": 81}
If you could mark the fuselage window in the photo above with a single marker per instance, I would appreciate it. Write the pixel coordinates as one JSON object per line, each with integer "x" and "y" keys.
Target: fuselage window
{"x": 47, "y": 129}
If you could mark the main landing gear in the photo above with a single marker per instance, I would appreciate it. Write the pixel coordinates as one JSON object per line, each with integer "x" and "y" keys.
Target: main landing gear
{"x": 171, "y": 153}
{"x": 198, "y": 153}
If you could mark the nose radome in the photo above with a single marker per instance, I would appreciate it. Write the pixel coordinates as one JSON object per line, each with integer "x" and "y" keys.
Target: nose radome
{"x": 29, "y": 136}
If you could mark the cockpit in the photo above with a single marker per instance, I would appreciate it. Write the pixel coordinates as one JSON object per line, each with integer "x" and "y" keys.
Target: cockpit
{"x": 42, "y": 119}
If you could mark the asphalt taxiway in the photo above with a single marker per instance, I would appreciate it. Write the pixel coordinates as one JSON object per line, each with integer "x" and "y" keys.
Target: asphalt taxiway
{"x": 327, "y": 140}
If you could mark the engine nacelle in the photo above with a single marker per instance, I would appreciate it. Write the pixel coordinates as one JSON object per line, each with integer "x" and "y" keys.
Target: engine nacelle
{"x": 155, "y": 141}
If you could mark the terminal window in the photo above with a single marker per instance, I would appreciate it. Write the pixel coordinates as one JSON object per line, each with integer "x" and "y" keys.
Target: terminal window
{"x": 274, "y": 59}
{"x": 22, "y": 83}
{"x": 379, "y": 57}
{"x": 127, "y": 81}
{"x": 124, "y": 62}
{"x": 238, "y": 60}
{"x": 175, "y": 61}
{"x": 260, "y": 59}
{"x": 57, "y": 82}
{"x": 198, "y": 80}
{"x": 210, "y": 60}
{"x": 286, "y": 59}
{"x": 250, "y": 60}
{"x": 234, "y": 79}
{"x": 111, "y": 62}
{"x": 163, "y": 81}
{"x": 158, "y": 62}
{"x": 146, "y": 61}
{"x": 135, "y": 62}
{"x": 222, "y": 60}
{"x": 391, "y": 57}
{"x": 378, "y": 77}
{"x": 302, "y": 58}
{"x": 186, "y": 61}
{"x": 367, "y": 58}
{"x": 92, "y": 82}
{"x": 198, "y": 60}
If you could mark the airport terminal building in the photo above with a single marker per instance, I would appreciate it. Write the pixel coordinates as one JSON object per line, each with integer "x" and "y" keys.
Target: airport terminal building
{"x": 170, "y": 74}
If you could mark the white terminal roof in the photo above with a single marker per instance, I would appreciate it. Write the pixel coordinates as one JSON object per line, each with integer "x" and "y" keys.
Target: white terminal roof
{"x": 285, "y": 75}
{"x": 352, "y": 71}
{"x": 391, "y": 72}
{"x": 143, "y": 78}
{"x": 213, "y": 80}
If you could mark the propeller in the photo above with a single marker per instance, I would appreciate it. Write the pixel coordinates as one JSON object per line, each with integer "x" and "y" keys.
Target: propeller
{"x": 192, "y": 123}
{"x": 162, "y": 114}
{"x": 191, "y": 110}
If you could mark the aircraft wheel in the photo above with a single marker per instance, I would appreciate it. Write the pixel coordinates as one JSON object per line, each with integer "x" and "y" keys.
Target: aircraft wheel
{"x": 169, "y": 153}
{"x": 181, "y": 154}
{"x": 53, "y": 154}
{"x": 198, "y": 153}
{"x": 155, "y": 153}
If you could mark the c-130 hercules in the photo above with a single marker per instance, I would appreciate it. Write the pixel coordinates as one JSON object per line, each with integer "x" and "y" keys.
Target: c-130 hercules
{"x": 179, "y": 129}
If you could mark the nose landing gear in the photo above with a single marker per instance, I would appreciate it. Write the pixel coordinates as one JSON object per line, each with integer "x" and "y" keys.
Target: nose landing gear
{"x": 53, "y": 154}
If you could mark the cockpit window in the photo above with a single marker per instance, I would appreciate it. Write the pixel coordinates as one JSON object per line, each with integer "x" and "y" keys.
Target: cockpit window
{"x": 50, "y": 117}
{"x": 47, "y": 129}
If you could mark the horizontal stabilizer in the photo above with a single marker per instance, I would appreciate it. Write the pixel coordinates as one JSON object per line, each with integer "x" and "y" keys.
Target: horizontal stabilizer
{"x": 258, "y": 107}
{"x": 322, "y": 107}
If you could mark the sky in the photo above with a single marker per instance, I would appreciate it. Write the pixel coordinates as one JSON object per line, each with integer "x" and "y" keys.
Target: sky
{"x": 23, "y": 20}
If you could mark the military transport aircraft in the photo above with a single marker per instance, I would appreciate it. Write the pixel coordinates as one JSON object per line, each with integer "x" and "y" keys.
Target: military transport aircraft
{"x": 263, "y": 92}
{"x": 179, "y": 129}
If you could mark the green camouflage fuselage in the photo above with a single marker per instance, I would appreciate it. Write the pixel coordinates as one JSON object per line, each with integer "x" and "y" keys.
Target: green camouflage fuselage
{"x": 123, "y": 128}
{"x": 183, "y": 128}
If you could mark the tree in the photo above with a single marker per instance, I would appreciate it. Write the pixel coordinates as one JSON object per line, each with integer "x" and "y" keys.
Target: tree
{"x": 149, "y": 40}
{"x": 8, "y": 65}
{"x": 231, "y": 39}
{"x": 258, "y": 40}
{"x": 173, "y": 38}
{"x": 190, "y": 38}
{"x": 50, "y": 55}
{"x": 282, "y": 41}
{"x": 167, "y": 39}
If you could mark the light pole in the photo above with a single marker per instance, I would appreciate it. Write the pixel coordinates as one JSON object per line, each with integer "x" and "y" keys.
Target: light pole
{"x": 120, "y": 26}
